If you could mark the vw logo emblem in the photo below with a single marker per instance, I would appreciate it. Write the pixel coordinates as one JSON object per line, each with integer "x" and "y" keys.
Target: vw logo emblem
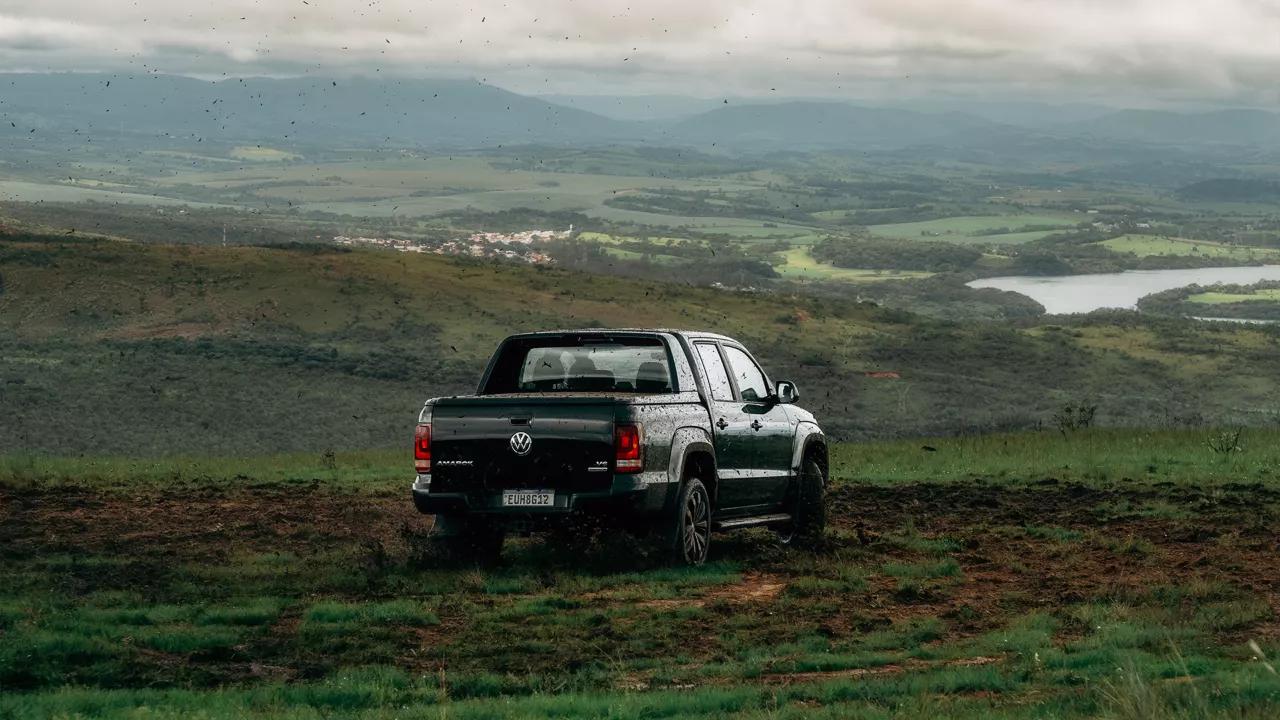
{"x": 521, "y": 443}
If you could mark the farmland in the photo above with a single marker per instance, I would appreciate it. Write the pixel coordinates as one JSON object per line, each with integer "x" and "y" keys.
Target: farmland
{"x": 996, "y": 229}
{"x": 1220, "y": 298}
{"x": 1150, "y": 245}
{"x": 799, "y": 264}
{"x": 759, "y": 210}
{"x": 1021, "y": 576}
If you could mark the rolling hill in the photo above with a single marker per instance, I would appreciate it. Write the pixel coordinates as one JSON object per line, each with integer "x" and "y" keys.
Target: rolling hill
{"x": 114, "y": 347}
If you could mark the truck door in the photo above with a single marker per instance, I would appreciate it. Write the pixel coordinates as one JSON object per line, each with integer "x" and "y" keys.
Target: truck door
{"x": 731, "y": 428}
{"x": 771, "y": 430}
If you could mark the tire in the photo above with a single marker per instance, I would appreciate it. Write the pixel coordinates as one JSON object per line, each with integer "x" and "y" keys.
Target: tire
{"x": 691, "y": 531}
{"x": 468, "y": 540}
{"x": 808, "y": 508}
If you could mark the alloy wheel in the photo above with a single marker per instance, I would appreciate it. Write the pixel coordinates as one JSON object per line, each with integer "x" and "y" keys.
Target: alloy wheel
{"x": 697, "y": 526}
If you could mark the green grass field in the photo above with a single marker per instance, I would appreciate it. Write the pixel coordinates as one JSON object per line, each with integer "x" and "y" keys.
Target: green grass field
{"x": 1223, "y": 298}
{"x": 1116, "y": 574}
{"x": 971, "y": 229}
{"x": 800, "y": 265}
{"x": 1105, "y": 459}
{"x": 1149, "y": 245}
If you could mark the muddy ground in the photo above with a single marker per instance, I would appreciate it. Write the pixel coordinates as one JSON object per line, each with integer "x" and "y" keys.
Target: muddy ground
{"x": 1115, "y": 538}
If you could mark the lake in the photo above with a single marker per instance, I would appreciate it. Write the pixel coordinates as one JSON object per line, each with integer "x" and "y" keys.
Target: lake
{"x": 1067, "y": 294}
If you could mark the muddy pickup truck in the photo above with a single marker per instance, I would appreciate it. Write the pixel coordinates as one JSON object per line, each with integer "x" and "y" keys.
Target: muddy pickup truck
{"x": 665, "y": 433}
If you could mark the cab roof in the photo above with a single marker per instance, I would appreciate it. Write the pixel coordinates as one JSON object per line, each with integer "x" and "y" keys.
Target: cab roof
{"x": 703, "y": 334}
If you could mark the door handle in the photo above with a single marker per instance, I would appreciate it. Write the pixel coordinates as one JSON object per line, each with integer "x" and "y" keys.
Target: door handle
{"x": 722, "y": 424}
{"x": 755, "y": 425}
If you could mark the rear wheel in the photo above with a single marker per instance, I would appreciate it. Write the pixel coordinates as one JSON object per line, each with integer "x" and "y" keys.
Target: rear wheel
{"x": 808, "y": 507}
{"x": 692, "y": 530}
{"x": 475, "y": 540}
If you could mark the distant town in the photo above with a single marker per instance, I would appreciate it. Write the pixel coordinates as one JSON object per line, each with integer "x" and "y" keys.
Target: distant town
{"x": 479, "y": 245}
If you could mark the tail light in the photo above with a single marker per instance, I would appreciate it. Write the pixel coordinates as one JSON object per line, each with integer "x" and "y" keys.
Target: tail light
{"x": 626, "y": 445}
{"x": 422, "y": 448}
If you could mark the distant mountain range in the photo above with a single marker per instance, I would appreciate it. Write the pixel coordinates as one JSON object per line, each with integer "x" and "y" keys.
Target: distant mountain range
{"x": 638, "y": 107}
{"x": 1233, "y": 127}
{"x": 445, "y": 113}
{"x": 342, "y": 112}
{"x": 819, "y": 124}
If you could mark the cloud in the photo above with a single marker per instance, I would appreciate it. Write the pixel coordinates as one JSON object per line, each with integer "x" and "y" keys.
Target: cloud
{"x": 1139, "y": 50}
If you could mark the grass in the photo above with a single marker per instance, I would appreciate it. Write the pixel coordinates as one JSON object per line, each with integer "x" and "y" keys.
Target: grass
{"x": 933, "y": 607}
{"x": 1222, "y": 298}
{"x": 977, "y": 229}
{"x": 408, "y": 186}
{"x": 799, "y": 264}
{"x": 24, "y": 191}
{"x": 1151, "y": 245}
{"x": 1099, "y": 457}
{"x": 1095, "y": 457}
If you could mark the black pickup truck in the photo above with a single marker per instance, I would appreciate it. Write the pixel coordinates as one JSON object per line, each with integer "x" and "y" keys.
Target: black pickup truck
{"x": 676, "y": 432}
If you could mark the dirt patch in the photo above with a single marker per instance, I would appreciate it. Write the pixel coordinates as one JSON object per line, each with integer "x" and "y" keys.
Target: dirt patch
{"x": 892, "y": 669}
{"x": 1008, "y": 563}
{"x": 196, "y": 523}
{"x": 755, "y": 587}
{"x": 182, "y": 330}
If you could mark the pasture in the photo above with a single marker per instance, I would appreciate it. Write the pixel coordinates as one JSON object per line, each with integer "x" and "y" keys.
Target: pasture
{"x": 415, "y": 186}
{"x": 1151, "y": 245}
{"x": 24, "y": 191}
{"x": 1223, "y": 298}
{"x": 799, "y": 264}
{"x": 978, "y": 229}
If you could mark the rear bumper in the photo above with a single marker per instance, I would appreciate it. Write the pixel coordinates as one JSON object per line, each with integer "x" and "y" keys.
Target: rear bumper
{"x": 635, "y": 493}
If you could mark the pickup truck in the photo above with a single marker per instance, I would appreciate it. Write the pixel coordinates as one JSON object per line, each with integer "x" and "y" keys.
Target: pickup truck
{"x": 661, "y": 432}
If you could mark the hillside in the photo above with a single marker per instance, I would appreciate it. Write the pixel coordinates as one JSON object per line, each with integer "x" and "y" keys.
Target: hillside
{"x": 1235, "y": 127}
{"x": 119, "y": 348}
{"x": 1232, "y": 190}
{"x": 821, "y": 124}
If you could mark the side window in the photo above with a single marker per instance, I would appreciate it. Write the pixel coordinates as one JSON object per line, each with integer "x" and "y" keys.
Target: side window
{"x": 751, "y": 382}
{"x": 717, "y": 378}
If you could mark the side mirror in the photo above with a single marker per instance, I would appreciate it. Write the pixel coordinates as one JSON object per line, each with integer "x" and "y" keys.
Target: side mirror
{"x": 786, "y": 392}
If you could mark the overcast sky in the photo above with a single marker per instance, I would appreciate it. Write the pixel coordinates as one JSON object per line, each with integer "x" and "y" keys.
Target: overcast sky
{"x": 1136, "y": 52}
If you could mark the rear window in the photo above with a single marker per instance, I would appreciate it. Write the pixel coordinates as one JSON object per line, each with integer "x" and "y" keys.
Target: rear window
{"x": 582, "y": 364}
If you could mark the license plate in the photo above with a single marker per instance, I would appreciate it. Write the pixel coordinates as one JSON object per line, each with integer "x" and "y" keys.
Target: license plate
{"x": 528, "y": 498}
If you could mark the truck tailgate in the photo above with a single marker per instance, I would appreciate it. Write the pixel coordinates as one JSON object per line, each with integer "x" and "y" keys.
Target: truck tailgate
{"x": 570, "y": 448}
